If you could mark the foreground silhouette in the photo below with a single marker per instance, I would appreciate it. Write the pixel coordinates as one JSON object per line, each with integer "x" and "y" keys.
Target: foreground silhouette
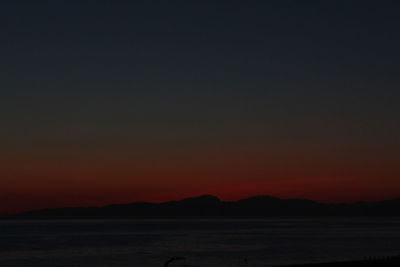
{"x": 211, "y": 206}
{"x": 172, "y": 260}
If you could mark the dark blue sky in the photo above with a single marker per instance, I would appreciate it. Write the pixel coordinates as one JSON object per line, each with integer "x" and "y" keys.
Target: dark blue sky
{"x": 314, "y": 81}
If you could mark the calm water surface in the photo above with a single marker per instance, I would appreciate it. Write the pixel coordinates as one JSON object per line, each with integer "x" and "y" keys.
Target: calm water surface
{"x": 203, "y": 242}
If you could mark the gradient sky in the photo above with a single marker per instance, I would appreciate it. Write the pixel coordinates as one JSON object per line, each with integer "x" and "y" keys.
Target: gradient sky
{"x": 119, "y": 101}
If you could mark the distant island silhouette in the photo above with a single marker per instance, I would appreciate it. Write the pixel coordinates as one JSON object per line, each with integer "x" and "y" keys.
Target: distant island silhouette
{"x": 212, "y": 206}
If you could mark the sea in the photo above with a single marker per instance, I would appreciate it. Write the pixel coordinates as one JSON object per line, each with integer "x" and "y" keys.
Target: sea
{"x": 218, "y": 242}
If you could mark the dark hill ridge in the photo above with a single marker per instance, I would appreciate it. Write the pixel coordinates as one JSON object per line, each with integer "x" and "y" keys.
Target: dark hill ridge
{"x": 208, "y": 205}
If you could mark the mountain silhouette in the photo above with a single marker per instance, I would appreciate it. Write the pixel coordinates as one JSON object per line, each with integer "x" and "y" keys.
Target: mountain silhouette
{"x": 208, "y": 205}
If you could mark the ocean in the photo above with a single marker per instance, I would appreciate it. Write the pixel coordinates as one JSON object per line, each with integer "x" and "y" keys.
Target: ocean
{"x": 202, "y": 242}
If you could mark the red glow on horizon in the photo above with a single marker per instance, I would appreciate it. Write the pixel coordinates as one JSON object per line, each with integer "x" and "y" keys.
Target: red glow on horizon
{"x": 327, "y": 190}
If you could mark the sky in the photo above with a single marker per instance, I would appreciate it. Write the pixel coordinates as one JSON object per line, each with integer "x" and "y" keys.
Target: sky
{"x": 119, "y": 101}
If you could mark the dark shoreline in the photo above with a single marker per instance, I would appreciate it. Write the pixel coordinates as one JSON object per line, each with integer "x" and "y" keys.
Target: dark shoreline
{"x": 389, "y": 261}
